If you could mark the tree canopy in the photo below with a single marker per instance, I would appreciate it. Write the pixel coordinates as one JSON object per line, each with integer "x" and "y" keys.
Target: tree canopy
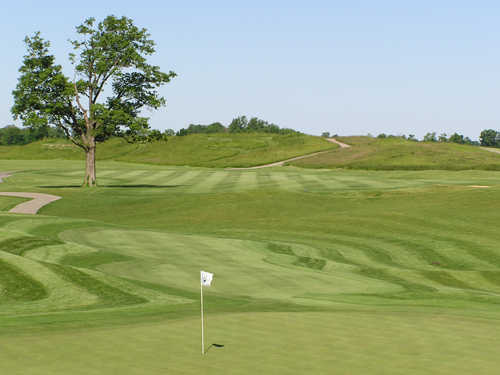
{"x": 240, "y": 124}
{"x": 490, "y": 138}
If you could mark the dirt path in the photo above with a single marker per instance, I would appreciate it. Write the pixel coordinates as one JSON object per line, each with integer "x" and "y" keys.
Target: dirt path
{"x": 38, "y": 200}
{"x": 281, "y": 163}
{"x": 342, "y": 145}
{"x": 491, "y": 150}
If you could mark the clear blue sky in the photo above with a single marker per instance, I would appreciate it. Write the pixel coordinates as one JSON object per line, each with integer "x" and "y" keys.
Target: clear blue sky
{"x": 348, "y": 67}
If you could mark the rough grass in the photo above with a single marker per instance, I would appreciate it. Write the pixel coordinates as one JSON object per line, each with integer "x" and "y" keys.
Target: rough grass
{"x": 202, "y": 150}
{"x": 316, "y": 271}
{"x": 399, "y": 154}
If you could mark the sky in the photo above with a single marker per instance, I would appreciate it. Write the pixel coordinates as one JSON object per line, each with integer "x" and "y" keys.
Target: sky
{"x": 346, "y": 67}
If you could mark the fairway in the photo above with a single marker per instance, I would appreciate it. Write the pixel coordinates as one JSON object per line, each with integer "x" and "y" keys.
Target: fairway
{"x": 316, "y": 271}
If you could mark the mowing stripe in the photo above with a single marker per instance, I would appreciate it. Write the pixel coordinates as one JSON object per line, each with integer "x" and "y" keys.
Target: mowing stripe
{"x": 352, "y": 183}
{"x": 108, "y": 295}
{"x": 349, "y": 248}
{"x": 228, "y": 182}
{"x": 159, "y": 178}
{"x": 182, "y": 177}
{"x": 331, "y": 182}
{"x": 493, "y": 277}
{"x": 472, "y": 249}
{"x": 207, "y": 184}
{"x": 247, "y": 181}
{"x": 195, "y": 177}
{"x": 357, "y": 183}
{"x": 476, "y": 281}
{"x": 446, "y": 279}
{"x": 17, "y": 286}
{"x": 20, "y": 245}
{"x": 133, "y": 175}
{"x": 74, "y": 173}
{"x": 415, "y": 276}
{"x": 308, "y": 183}
{"x": 314, "y": 183}
{"x": 59, "y": 294}
{"x": 104, "y": 173}
{"x": 480, "y": 231}
{"x": 173, "y": 176}
{"x": 386, "y": 275}
{"x": 264, "y": 180}
{"x": 286, "y": 181}
{"x": 417, "y": 249}
{"x": 376, "y": 184}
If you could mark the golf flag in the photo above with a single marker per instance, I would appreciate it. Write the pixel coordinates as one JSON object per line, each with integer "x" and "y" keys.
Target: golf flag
{"x": 206, "y": 278}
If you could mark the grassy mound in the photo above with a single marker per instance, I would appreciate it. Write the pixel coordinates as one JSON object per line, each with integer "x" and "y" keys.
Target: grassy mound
{"x": 399, "y": 154}
{"x": 202, "y": 150}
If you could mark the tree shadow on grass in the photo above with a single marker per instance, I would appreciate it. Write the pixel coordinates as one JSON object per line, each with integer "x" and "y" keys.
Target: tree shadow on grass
{"x": 112, "y": 186}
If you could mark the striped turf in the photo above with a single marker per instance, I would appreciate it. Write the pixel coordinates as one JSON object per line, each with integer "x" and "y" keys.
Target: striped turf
{"x": 324, "y": 272}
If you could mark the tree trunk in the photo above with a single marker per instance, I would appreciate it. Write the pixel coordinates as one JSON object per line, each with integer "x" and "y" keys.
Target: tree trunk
{"x": 90, "y": 176}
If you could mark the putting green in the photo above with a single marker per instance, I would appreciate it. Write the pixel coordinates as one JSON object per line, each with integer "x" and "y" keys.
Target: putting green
{"x": 269, "y": 343}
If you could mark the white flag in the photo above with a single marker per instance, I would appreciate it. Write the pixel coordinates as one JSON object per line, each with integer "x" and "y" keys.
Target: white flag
{"x": 206, "y": 278}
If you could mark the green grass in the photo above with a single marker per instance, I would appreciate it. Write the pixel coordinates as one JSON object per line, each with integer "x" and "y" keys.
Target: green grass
{"x": 398, "y": 154}
{"x": 202, "y": 150}
{"x": 18, "y": 286}
{"x": 6, "y": 203}
{"x": 268, "y": 343}
{"x": 316, "y": 271}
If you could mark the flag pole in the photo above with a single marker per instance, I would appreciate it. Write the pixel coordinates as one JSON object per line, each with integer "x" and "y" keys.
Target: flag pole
{"x": 202, "y": 328}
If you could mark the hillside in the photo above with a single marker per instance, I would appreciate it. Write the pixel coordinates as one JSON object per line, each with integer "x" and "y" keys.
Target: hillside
{"x": 198, "y": 150}
{"x": 400, "y": 154}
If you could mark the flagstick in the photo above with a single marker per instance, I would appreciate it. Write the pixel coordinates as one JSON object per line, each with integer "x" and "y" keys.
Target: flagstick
{"x": 202, "y": 333}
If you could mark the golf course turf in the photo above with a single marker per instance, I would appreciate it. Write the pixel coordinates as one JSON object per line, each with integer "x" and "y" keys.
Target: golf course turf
{"x": 316, "y": 271}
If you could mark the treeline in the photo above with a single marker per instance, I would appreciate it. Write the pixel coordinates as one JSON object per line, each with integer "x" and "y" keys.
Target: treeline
{"x": 240, "y": 124}
{"x": 12, "y": 135}
{"x": 453, "y": 138}
{"x": 215, "y": 127}
{"x": 487, "y": 138}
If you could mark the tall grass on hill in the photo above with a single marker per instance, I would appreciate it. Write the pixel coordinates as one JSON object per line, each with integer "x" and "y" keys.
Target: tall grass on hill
{"x": 400, "y": 154}
{"x": 200, "y": 150}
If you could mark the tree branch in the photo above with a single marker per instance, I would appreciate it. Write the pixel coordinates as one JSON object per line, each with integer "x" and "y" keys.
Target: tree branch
{"x": 106, "y": 77}
{"x": 84, "y": 111}
{"x": 70, "y": 137}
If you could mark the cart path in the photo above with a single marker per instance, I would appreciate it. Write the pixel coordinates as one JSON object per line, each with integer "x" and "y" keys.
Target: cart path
{"x": 38, "y": 200}
{"x": 281, "y": 163}
{"x": 491, "y": 150}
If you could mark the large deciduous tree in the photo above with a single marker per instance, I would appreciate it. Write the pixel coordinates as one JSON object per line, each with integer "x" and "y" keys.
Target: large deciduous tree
{"x": 490, "y": 138}
{"x": 112, "y": 83}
